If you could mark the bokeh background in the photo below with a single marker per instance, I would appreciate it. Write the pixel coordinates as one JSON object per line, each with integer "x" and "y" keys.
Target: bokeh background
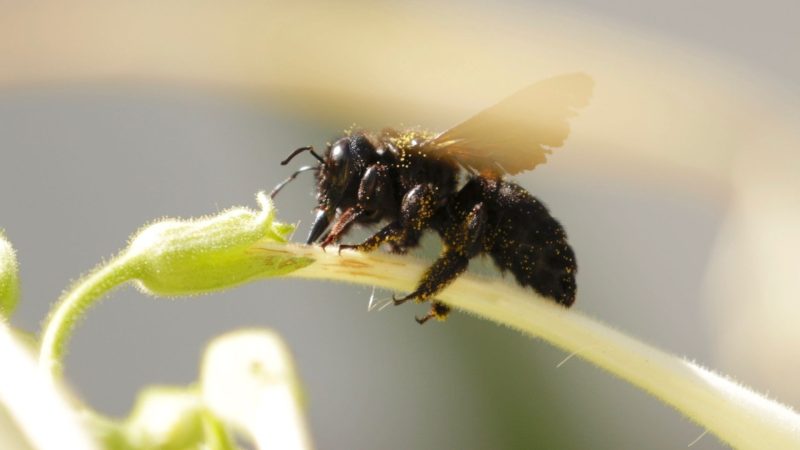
{"x": 678, "y": 187}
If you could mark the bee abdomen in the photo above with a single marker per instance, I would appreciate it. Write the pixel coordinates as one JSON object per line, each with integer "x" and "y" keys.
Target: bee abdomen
{"x": 549, "y": 270}
{"x": 519, "y": 233}
{"x": 528, "y": 242}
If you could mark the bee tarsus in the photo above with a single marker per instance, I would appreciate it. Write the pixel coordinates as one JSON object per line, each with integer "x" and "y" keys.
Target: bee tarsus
{"x": 438, "y": 311}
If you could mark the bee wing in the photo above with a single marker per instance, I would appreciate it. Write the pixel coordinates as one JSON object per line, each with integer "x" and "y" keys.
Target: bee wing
{"x": 518, "y": 133}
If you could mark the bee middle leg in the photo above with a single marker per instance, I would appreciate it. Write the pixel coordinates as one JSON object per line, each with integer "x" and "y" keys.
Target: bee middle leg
{"x": 439, "y": 311}
{"x": 444, "y": 270}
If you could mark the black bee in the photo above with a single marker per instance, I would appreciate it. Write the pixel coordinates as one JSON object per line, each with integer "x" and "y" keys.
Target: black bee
{"x": 411, "y": 181}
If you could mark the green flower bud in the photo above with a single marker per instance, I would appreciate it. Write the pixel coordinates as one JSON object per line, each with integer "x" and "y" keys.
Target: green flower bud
{"x": 9, "y": 278}
{"x": 183, "y": 257}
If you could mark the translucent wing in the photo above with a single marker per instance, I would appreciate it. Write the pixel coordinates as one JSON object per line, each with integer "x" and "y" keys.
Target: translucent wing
{"x": 518, "y": 133}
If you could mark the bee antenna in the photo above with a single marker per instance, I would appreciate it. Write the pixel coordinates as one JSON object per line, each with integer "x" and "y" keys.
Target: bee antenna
{"x": 301, "y": 150}
{"x": 290, "y": 178}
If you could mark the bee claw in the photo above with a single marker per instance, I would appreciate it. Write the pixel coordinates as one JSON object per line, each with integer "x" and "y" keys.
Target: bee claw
{"x": 328, "y": 241}
{"x": 423, "y": 319}
{"x": 438, "y": 311}
{"x": 347, "y": 247}
{"x": 401, "y": 300}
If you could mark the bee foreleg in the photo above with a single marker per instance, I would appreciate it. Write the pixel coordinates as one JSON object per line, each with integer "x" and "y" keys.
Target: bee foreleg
{"x": 416, "y": 211}
{"x": 342, "y": 224}
{"x": 386, "y": 233}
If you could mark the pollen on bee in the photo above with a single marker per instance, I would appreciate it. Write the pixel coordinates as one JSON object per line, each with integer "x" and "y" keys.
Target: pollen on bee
{"x": 428, "y": 181}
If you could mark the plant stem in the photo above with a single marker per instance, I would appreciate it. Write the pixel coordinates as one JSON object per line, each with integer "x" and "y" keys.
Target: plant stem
{"x": 71, "y": 307}
{"x": 737, "y": 415}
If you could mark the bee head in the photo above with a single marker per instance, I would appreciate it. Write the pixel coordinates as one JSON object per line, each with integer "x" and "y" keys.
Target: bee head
{"x": 338, "y": 176}
{"x": 337, "y": 183}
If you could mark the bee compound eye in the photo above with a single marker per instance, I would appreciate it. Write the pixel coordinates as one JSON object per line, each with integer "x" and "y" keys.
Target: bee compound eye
{"x": 340, "y": 164}
{"x": 339, "y": 152}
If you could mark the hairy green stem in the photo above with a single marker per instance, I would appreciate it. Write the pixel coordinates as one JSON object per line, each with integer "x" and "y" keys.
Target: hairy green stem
{"x": 73, "y": 305}
{"x": 737, "y": 415}
{"x": 174, "y": 257}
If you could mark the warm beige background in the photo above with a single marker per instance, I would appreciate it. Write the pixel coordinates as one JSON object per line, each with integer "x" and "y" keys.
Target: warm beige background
{"x": 678, "y": 188}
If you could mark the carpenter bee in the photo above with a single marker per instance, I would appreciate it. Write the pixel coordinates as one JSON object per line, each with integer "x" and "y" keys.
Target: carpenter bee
{"x": 454, "y": 183}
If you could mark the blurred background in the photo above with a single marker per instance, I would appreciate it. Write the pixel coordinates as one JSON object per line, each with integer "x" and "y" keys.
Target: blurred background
{"x": 678, "y": 187}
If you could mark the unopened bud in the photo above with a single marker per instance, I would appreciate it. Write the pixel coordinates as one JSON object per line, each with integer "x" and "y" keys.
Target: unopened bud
{"x": 184, "y": 257}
